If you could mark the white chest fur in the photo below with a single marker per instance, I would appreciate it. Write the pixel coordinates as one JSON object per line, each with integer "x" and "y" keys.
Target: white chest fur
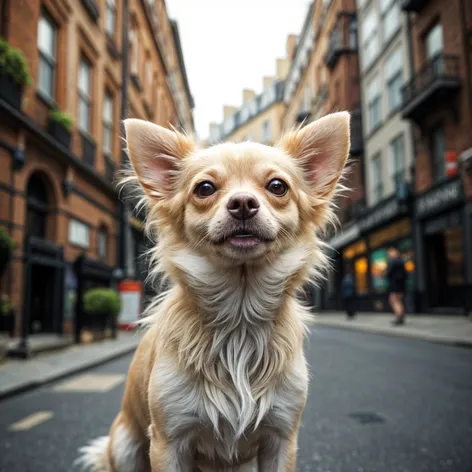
{"x": 199, "y": 415}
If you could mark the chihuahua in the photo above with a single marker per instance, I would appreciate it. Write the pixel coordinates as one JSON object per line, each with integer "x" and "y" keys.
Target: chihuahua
{"x": 219, "y": 381}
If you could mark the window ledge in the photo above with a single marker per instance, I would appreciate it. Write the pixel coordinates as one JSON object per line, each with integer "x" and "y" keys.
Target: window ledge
{"x": 48, "y": 101}
{"x": 92, "y": 9}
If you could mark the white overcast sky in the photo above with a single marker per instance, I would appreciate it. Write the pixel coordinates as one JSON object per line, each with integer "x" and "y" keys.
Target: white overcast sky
{"x": 229, "y": 45}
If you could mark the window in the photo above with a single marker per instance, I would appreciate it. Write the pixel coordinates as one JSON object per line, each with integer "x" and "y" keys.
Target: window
{"x": 394, "y": 75}
{"x": 244, "y": 113}
{"x": 47, "y": 36}
{"x": 149, "y": 76}
{"x": 37, "y": 207}
{"x": 85, "y": 99}
{"x": 268, "y": 97}
{"x": 397, "y": 160}
{"x": 390, "y": 10}
{"x": 102, "y": 238}
{"x": 228, "y": 124}
{"x": 108, "y": 124}
{"x": 434, "y": 41}
{"x": 438, "y": 150}
{"x": 373, "y": 103}
{"x": 370, "y": 40}
{"x": 110, "y": 18}
{"x": 377, "y": 184}
{"x": 134, "y": 50}
{"x": 307, "y": 98}
{"x": 79, "y": 233}
{"x": 266, "y": 131}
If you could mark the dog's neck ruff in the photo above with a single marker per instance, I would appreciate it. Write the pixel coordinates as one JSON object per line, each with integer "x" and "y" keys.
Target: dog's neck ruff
{"x": 244, "y": 352}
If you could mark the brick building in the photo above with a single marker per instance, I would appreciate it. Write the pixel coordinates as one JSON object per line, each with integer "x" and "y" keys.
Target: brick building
{"x": 58, "y": 201}
{"x": 438, "y": 102}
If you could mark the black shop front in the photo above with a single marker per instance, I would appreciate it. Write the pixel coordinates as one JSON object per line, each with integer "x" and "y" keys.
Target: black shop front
{"x": 444, "y": 248}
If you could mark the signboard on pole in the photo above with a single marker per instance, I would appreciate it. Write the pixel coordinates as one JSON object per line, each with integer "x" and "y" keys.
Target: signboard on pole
{"x": 131, "y": 303}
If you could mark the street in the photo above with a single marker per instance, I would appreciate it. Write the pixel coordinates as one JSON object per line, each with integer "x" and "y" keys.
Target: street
{"x": 376, "y": 404}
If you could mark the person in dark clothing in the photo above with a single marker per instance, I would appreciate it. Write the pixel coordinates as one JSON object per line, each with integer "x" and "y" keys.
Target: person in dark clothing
{"x": 396, "y": 276}
{"x": 348, "y": 293}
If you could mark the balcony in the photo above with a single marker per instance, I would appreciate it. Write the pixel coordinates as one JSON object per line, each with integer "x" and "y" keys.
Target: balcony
{"x": 413, "y": 5}
{"x": 357, "y": 140}
{"x": 342, "y": 40}
{"x": 435, "y": 83}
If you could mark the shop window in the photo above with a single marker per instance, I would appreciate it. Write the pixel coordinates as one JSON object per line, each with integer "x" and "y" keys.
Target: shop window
{"x": 454, "y": 245}
{"x": 378, "y": 270}
{"x": 361, "y": 276}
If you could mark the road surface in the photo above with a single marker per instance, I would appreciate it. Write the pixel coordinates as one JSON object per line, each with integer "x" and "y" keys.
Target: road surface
{"x": 376, "y": 404}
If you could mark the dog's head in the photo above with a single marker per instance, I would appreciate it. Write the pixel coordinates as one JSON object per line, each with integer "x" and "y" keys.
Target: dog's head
{"x": 240, "y": 203}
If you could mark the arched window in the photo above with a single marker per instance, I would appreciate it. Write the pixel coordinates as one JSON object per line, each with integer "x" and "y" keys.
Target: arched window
{"x": 37, "y": 207}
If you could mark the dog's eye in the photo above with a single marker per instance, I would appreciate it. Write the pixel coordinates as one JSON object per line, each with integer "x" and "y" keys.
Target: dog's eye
{"x": 205, "y": 189}
{"x": 277, "y": 187}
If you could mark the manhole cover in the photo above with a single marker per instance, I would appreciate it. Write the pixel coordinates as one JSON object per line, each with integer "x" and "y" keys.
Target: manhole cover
{"x": 367, "y": 417}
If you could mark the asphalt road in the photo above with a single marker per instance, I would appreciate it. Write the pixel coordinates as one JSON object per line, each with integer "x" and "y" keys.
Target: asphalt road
{"x": 376, "y": 404}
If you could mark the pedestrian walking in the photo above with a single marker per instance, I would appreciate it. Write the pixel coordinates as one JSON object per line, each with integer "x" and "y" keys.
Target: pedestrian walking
{"x": 396, "y": 276}
{"x": 348, "y": 292}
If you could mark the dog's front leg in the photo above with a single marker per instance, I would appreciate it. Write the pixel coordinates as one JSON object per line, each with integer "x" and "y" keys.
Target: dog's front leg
{"x": 170, "y": 456}
{"x": 278, "y": 454}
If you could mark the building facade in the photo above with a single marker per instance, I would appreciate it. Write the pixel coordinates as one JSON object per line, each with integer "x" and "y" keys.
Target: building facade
{"x": 260, "y": 116}
{"x": 57, "y": 198}
{"x": 437, "y": 101}
{"x": 388, "y": 153}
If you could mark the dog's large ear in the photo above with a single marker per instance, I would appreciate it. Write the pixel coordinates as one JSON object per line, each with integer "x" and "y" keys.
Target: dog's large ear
{"x": 155, "y": 153}
{"x": 322, "y": 148}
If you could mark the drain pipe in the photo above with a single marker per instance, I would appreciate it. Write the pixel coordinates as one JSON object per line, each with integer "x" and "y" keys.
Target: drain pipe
{"x": 123, "y": 213}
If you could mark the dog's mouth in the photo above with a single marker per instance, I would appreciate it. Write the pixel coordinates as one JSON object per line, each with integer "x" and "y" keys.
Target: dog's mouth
{"x": 244, "y": 239}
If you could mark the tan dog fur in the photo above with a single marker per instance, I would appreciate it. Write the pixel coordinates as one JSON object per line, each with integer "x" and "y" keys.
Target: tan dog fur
{"x": 220, "y": 379}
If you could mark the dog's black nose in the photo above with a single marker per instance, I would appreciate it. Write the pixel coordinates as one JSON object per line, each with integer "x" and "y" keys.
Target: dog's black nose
{"x": 243, "y": 206}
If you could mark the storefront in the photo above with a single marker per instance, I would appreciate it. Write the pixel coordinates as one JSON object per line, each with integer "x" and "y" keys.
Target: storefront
{"x": 444, "y": 248}
{"x": 387, "y": 224}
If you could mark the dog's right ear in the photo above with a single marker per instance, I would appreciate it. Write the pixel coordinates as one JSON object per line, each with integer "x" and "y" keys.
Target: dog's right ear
{"x": 155, "y": 153}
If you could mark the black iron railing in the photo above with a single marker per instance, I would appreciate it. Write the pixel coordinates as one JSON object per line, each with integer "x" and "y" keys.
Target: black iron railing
{"x": 440, "y": 67}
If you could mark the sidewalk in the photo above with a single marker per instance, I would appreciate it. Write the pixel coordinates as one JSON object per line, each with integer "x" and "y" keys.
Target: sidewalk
{"x": 20, "y": 375}
{"x": 454, "y": 330}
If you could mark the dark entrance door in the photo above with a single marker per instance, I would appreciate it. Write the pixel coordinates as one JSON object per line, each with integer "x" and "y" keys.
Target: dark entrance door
{"x": 446, "y": 268}
{"x": 42, "y": 309}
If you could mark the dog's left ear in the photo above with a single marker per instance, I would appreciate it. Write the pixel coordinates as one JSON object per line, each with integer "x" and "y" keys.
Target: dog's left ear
{"x": 322, "y": 148}
{"x": 155, "y": 153}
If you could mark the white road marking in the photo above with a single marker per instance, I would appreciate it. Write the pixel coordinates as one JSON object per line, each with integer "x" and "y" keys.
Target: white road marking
{"x": 31, "y": 421}
{"x": 91, "y": 383}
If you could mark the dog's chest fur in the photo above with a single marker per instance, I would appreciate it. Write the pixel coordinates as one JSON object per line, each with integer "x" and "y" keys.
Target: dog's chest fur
{"x": 242, "y": 393}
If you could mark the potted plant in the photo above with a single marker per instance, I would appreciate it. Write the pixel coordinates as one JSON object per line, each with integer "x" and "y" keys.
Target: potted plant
{"x": 7, "y": 315}
{"x": 14, "y": 74}
{"x": 100, "y": 305}
{"x": 7, "y": 247}
{"x": 60, "y": 126}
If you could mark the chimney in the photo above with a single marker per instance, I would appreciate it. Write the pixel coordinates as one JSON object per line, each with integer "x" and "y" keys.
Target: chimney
{"x": 291, "y": 46}
{"x": 248, "y": 95}
{"x": 268, "y": 81}
{"x": 283, "y": 66}
{"x": 228, "y": 111}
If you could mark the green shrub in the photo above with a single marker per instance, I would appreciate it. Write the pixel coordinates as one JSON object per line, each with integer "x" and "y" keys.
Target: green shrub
{"x": 101, "y": 301}
{"x": 5, "y": 305}
{"x": 62, "y": 118}
{"x": 14, "y": 63}
{"x": 6, "y": 243}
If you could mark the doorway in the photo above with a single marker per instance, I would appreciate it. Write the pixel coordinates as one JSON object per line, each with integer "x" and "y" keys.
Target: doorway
{"x": 42, "y": 310}
{"x": 446, "y": 268}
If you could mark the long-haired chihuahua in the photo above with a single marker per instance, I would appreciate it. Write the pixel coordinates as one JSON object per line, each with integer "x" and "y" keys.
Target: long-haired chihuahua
{"x": 219, "y": 381}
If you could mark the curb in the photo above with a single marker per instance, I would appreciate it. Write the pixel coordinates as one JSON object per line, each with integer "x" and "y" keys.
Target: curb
{"x": 464, "y": 343}
{"x": 33, "y": 384}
